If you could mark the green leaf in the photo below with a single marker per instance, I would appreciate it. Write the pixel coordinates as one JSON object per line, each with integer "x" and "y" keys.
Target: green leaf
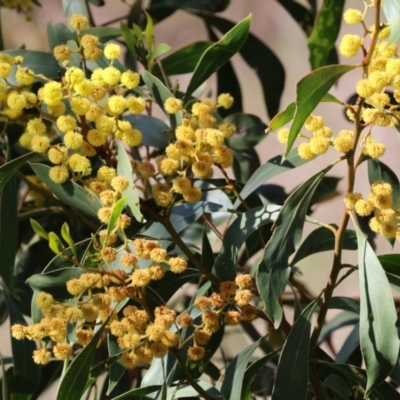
{"x": 55, "y": 243}
{"x": 104, "y": 33}
{"x": 124, "y": 168}
{"x": 55, "y": 281}
{"x": 273, "y": 270}
{"x": 309, "y": 93}
{"x": 73, "y": 382}
{"x": 161, "y": 48}
{"x": 340, "y": 320}
{"x": 67, "y": 237}
{"x": 323, "y": 239}
{"x": 378, "y": 171}
{"x": 38, "y": 229}
{"x": 292, "y": 375}
{"x": 26, "y": 372}
{"x": 218, "y": 54}
{"x": 182, "y": 61}
{"x": 225, "y": 265}
{"x": 8, "y": 169}
{"x": 116, "y": 212}
{"x": 325, "y": 32}
{"x": 207, "y": 254}
{"x": 116, "y": 370}
{"x": 39, "y": 62}
{"x": 188, "y": 392}
{"x": 129, "y": 38}
{"x": 138, "y": 393}
{"x": 8, "y": 231}
{"x": 251, "y": 373}
{"x": 69, "y": 192}
{"x": 378, "y": 333}
{"x": 390, "y": 263}
{"x": 156, "y": 133}
{"x": 287, "y": 114}
{"x": 250, "y": 131}
{"x": 232, "y": 385}
{"x": 160, "y": 94}
{"x": 262, "y": 60}
{"x": 149, "y": 33}
{"x": 72, "y": 7}
{"x": 339, "y": 385}
{"x": 391, "y": 8}
{"x": 270, "y": 169}
{"x": 58, "y": 34}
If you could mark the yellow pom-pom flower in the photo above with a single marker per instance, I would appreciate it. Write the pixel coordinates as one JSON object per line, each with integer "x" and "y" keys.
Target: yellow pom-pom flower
{"x": 130, "y": 79}
{"x": 116, "y": 104}
{"x": 80, "y": 164}
{"x": 59, "y": 174}
{"x": 136, "y": 105}
{"x": 111, "y": 75}
{"x": 350, "y": 45}
{"x": 36, "y": 126}
{"x": 352, "y": 16}
{"x": 66, "y": 123}
{"x": 305, "y": 152}
{"x": 78, "y": 22}
{"x": 172, "y": 105}
{"x": 73, "y": 140}
{"x": 5, "y": 70}
{"x": 112, "y": 51}
{"x": 225, "y": 100}
{"x": 40, "y": 144}
{"x": 319, "y": 144}
{"x": 283, "y": 135}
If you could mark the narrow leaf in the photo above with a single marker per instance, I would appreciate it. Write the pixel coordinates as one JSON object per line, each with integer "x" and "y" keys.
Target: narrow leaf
{"x": 325, "y": 32}
{"x": 116, "y": 212}
{"x": 104, "y": 33}
{"x": 218, "y": 54}
{"x": 292, "y": 375}
{"x": 72, "y": 7}
{"x": 391, "y": 8}
{"x": 161, "y": 48}
{"x": 67, "y": 237}
{"x": 124, "y": 168}
{"x": 138, "y": 393}
{"x": 309, "y": 93}
{"x": 378, "y": 333}
{"x": 69, "y": 192}
{"x": 8, "y": 169}
{"x": 38, "y": 229}
{"x": 129, "y": 38}
{"x": 232, "y": 385}
{"x": 72, "y": 384}
{"x": 273, "y": 269}
{"x": 225, "y": 265}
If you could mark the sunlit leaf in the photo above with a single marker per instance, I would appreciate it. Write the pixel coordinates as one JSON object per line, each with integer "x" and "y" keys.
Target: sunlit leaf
{"x": 292, "y": 375}
{"x": 273, "y": 270}
{"x": 309, "y": 93}
{"x": 378, "y": 333}
{"x": 116, "y": 212}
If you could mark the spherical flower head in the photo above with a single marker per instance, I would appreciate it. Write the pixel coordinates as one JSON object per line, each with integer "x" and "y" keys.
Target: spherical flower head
{"x": 225, "y": 100}
{"x": 16, "y": 101}
{"x": 161, "y": 197}
{"x": 248, "y": 313}
{"x": 78, "y": 22}
{"x": 158, "y": 255}
{"x": 350, "y": 45}
{"x": 116, "y": 105}
{"x": 387, "y": 50}
{"x": 214, "y": 137}
{"x": 35, "y": 126}
{"x": 184, "y": 320}
{"x": 136, "y": 105}
{"x": 40, "y": 144}
{"x": 201, "y": 169}
{"x": 393, "y": 66}
{"x": 130, "y": 79}
{"x": 123, "y": 222}
{"x": 379, "y": 99}
{"x": 201, "y": 337}
{"x": 388, "y": 229}
{"x": 62, "y": 351}
{"x": 111, "y": 75}
{"x": 57, "y": 110}
{"x": 158, "y": 349}
{"x": 364, "y": 207}
{"x": 227, "y": 288}
{"x": 141, "y": 277}
{"x": 96, "y": 137}
{"x": 184, "y": 133}
{"x": 352, "y": 16}
{"x": 157, "y": 272}
{"x": 232, "y": 318}
{"x": 61, "y": 53}
{"x": 376, "y": 117}
{"x": 243, "y": 297}
{"x": 84, "y": 336}
{"x": 146, "y": 169}
{"x": 382, "y": 201}
{"x": 52, "y": 93}
{"x": 84, "y": 88}
{"x": 104, "y": 214}
{"x": 244, "y": 281}
{"x": 379, "y": 80}
{"x": 24, "y": 76}
{"x": 59, "y": 174}
{"x": 305, "y": 152}
{"x": 44, "y": 300}
{"x": 132, "y": 137}
{"x": 5, "y": 70}
{"x": 223, "y": 155}
{"x": 374, "y": 149}
{"x": 74, "y": 75}
{"x": 350, "y": 200}
{"x": 112, "y": 51}
{"x": 11, "y": 113}
{"x": 106, "y": 174}
{"x": 155, "y": 332}
{"x": 181, "y": 185}
{"x": 173, "y": 105}
{"x": 364, "y": 88}
{"x": 203, "y": 303}
{"x": 79, "y": 105}
{"x": 319, "y": 144}
{"x": 283, "y": 135}
{"x": 169, "y": 166}
{"x": 314, "y": 123}
{"x": 196, "y": 353}
{"x": 119, "y": 184}
{"x": 18, "y": 331}
{"x": 41, "y": 356}
{"x": 381, "y": 188}
{"x": 80, "y": 164}
{"x": 344, "y": 141}
{"x": 90, "y": 312}
{"x": 192, "y": 195}
{"x": 109, "y": 254}
{"x": 73, "y": 140}
{"x": 177, "y": 265}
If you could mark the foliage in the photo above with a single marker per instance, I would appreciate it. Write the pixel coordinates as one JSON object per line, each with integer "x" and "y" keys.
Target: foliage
{"x": 136, "y": 242}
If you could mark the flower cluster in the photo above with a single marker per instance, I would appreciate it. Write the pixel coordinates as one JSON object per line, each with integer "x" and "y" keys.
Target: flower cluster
{"x": 379, "y": 203}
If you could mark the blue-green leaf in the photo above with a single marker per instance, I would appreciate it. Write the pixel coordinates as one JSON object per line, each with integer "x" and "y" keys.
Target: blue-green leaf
{"x": 104, "y": 33}
{"x": 73, "y": 382}
{"x": 226, "y": 263}
{"x": 218, "y": 54}
{"x": 8, "y": 169}
{"x": 273, "y": 270}
{"x": 309, "y": 93}
{"x": 72, "y": 7}
{"x": 69, "y": 192}
{"x": 58, "y": 34}
{"x": 232, "y": 385}
{"x": 292, "y": 375}
{"x": 391, "y": 8}
{"x": 378, "y": 334}
{"x": 138, "y": 393}
{"x": 124, "y": 168}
